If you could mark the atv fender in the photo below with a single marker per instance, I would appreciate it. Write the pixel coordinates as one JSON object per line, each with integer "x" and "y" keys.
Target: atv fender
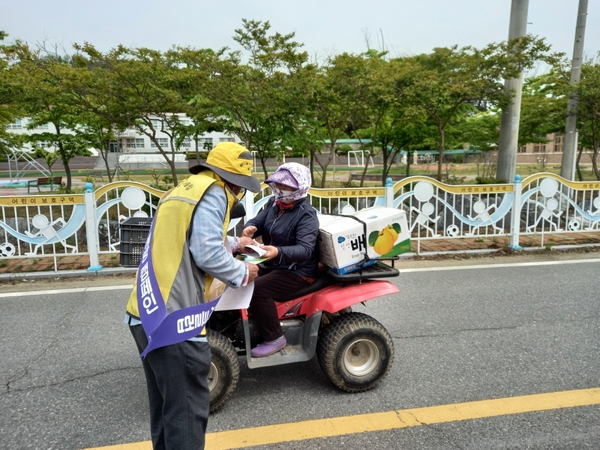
{"x": 335, "y": 298}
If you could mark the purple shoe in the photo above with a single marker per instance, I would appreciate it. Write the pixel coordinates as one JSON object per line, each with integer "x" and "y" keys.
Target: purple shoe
{"x": 268, "y": 348}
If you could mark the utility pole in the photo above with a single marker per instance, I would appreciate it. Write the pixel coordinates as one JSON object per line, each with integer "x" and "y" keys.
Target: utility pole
{"x": 509, "y": 124}
{"x": 567, "y": 168}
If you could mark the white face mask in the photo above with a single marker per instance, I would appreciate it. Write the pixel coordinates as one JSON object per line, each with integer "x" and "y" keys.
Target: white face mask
{"x": 282, "y": 195}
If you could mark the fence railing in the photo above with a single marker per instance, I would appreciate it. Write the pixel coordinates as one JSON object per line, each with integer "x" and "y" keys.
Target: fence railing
{"x": 54, "y": 226}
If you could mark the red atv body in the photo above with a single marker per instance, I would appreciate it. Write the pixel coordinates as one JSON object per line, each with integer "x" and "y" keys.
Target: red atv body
{"x": 354, "y": 350}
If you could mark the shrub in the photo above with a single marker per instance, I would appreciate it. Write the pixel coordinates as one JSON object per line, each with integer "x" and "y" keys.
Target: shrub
{"x": 191, "y": 156}
{"x": 482, "y": 180}
{"x": 343, "y": 149}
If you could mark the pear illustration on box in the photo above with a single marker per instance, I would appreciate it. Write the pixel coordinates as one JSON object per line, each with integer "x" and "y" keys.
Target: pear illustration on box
{"x": 383, "y": 241}
{"x": 376, "y": 232}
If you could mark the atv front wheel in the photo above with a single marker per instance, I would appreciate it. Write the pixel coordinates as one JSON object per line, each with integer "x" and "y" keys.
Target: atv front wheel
{"x": 224, "y": 372}
{"x": 355, "y": 352}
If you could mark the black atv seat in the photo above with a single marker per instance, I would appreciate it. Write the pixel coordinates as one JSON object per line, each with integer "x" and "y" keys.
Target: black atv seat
{"x": 328, "y": 278}
{"x": 323, "y": 280}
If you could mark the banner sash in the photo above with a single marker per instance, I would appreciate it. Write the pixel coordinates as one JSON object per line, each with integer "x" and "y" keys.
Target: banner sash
{"x": 164, "y": 329}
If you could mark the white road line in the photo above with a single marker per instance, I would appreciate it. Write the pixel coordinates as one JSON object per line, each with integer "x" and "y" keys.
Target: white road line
{"x": 65, "y": 291}
{"x": 406, "y": 270}
{"x": 494, "y": 266}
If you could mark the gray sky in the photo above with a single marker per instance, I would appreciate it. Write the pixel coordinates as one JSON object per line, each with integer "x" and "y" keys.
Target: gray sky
{"x": 324, "y": 27}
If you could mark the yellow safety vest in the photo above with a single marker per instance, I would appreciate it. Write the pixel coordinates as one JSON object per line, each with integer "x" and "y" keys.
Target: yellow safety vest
{"x": 181, "y": 282}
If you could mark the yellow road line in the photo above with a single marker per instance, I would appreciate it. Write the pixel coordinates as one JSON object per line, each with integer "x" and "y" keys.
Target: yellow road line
{"x": 364, "y": 423}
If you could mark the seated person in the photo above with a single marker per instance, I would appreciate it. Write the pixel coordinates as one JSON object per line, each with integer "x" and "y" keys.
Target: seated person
{"x": 289, "y": 229}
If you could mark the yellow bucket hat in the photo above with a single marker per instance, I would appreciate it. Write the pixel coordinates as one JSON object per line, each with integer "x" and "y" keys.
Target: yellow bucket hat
{"x": 232, "y": 162}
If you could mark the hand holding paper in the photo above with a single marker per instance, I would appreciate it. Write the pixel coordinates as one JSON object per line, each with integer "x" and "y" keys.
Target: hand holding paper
{"x": 245, "y": 240}
{"x": 252, "y": 269}
{"x": 270, "y": 251}
{"x": 255, "y": 250}
{"x": 254, "y": 253}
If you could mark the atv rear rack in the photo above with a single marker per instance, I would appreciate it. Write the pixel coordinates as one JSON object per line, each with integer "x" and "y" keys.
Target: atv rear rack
{"x": 377, "y": 270}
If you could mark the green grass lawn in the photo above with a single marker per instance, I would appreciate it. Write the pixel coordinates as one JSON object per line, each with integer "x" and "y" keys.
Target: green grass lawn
{"x": 337, "y": 176}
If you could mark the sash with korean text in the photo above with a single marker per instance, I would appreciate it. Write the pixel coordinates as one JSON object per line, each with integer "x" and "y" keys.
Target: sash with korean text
{"x": 160, "y": 328}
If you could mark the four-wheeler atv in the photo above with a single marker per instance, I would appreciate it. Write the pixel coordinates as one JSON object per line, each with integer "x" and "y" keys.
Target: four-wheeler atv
{"x": 354, "y": 350}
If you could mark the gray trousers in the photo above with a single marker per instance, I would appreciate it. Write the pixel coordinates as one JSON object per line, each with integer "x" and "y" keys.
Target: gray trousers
{"x": 176, "y": 376}
{"x": 267, "y": 287}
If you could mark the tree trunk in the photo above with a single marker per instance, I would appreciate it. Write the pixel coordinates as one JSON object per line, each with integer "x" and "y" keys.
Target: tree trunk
{"x": 64, "y": 159}
{"x": 171, "y": 162}
{"x": 104, "y": 153}
{"x": 312, "y": 166}
{"x": 577, "y": 167}
{"x": 324, "y": 169}
{"x": 173, "y": 172}
{"x": 364, "y": 172}
{"x": 328, "y": 161}
{"x": 441, "y": 150}
{"x": 68, "y": 173}
{"x": 388, "y": 168}
{"x": 263, "y": 163}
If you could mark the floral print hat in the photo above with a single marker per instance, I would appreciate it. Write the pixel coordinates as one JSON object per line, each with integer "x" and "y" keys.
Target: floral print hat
{"x": 294, "y": 175}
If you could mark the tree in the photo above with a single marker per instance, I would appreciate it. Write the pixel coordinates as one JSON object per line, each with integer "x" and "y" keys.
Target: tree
{"x": 43, "y": 81}
{"x": 141, "y": 89}
{"x": 543, "y": 106}
{"x": 101, "y": 134}
{"x": 49, "y": 157}
{"x": 9, "y": 101}
{"x": 256, "y": 98}
{"x": 391, "y": 123}
{"x": 481, "y": 130}
{"x": 443, "y": 81}
{"x": 204, "y": 120}
{"x": 377, "y": 98}
{"x": 588, "y": 111}
{"x": 340, "y": 90}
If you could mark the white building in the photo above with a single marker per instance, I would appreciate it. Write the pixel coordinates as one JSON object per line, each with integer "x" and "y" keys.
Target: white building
{"x": 131, "y": 141}
{"x": 21, "y": 126}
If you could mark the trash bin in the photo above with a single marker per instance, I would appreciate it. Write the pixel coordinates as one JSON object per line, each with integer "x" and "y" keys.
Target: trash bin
{"x": 134, "y": 232}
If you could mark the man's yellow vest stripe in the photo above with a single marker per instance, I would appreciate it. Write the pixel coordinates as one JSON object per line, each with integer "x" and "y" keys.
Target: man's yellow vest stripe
{"x": 181, "y": 282}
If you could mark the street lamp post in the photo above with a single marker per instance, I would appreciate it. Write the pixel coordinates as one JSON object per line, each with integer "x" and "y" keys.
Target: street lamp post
{"x": 567, "y": 169}
{"x": 509, "y": 125}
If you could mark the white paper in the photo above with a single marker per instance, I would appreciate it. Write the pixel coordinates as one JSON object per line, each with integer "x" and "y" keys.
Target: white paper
{"x": 257, "y": 251}
{"x": 235, "y": 298}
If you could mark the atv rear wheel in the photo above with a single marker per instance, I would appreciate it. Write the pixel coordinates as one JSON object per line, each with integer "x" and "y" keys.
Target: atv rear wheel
{"x": 224, "y": 372}
{"x": 355, "y": 352}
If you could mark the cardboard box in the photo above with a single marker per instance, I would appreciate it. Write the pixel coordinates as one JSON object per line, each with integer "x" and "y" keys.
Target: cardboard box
{"x": 344, "y": 243}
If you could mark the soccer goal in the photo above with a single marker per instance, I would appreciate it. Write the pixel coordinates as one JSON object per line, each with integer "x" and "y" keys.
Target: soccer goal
{"x": 356, "y": 158}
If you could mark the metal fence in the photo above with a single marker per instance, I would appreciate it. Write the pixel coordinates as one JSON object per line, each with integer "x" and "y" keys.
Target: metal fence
{"x": 51, "y": 226}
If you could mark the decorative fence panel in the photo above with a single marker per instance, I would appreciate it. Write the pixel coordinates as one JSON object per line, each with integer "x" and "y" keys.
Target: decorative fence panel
{"x": 53, "y": 226}
{"x": 436, "y": 210}
{"x": 551, "y": 204}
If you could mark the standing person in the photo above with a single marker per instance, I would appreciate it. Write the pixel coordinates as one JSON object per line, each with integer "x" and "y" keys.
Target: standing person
{"x": 187, "y": 250}
{"x": 289, "y": 228}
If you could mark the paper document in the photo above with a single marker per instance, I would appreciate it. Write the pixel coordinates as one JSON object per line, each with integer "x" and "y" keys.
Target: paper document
{"x": 235, "y": 298}
{"x": 255, "y": 251}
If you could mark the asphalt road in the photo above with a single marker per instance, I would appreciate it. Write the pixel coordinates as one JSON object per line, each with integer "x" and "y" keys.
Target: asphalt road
{"x": 72, "y": 378}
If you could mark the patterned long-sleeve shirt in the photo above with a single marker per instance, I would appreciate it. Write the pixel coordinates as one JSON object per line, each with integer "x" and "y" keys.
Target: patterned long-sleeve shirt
{"x": 206, "y": 240}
